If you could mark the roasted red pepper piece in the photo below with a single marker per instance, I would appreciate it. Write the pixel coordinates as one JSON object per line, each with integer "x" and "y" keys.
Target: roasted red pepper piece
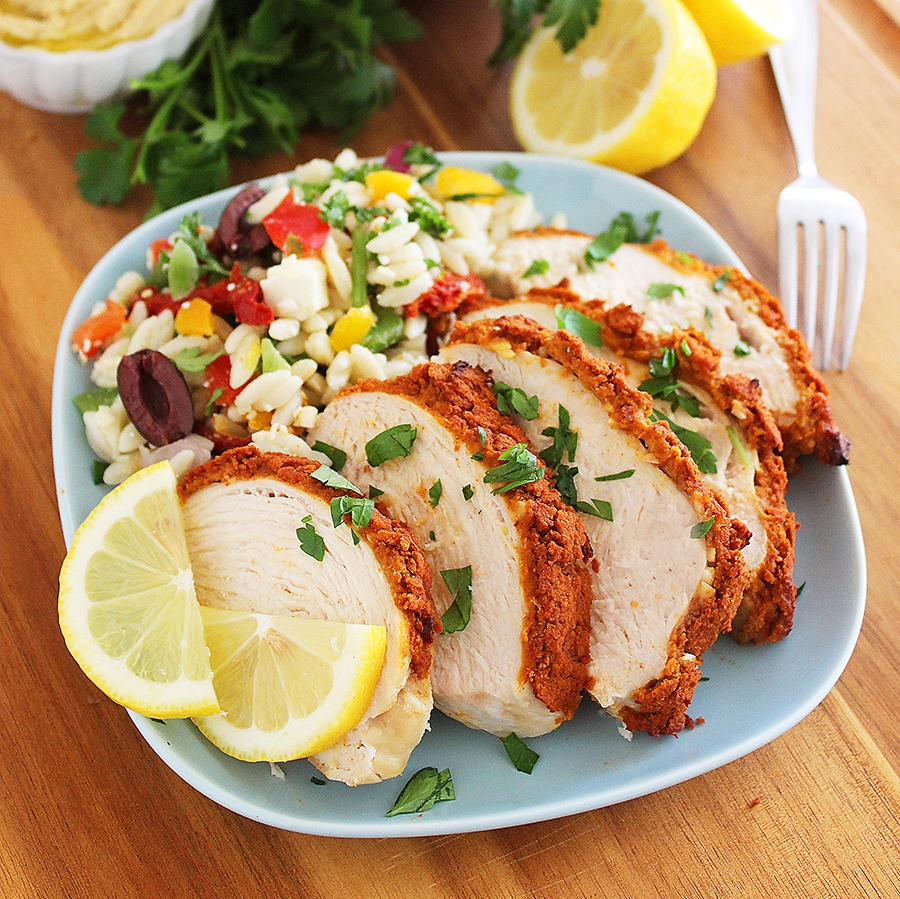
{"x": 217, "y": 377}
{"x": 446, "y": 294}
{"x": 93, "y": 332}
{"x": 300, "y": 221}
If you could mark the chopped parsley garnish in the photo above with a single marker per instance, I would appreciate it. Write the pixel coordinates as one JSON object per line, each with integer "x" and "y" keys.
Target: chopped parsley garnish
{"x": 98, "y": 468}
{"x": 722, "y": 280}
{"x": 190, "y": 359}
{"x": 565, "y": 441}
{"x": 92, "y": 400}
{"x": 707, "y": 314}
{"x": 514, "y": 399}
{"x": 374, "y": 492}
{"x": 573, "y": 321}
{"x": 335, "y": 208}
{"x": 520, "y": 466}
{"x": 741, "y": 348}
{"x": 799, "y": 591}
{"x": 686, "y": 348}
{"x": 310, "y": 542}
{"x": 435, "y": 491}
{"x": 213, "y": 399}
{"x": 459, "y": 583}
{"x": 431, "y": 536}
{"x": 337, "y": 456}
{"x": 507, "y": 174}
{"x": 330, "y": 478}
{"x": 422, "y": 790}
{"x": 663, "y": 385}
{"x": 622, "y": 229}
{"x": 467, "y": 492}
{"x": 387, "y": 330}
{"x": 738, "y": 445}
{"x": 360, "y": 510}
{"x": 599, "y": 508}
{"x": 521, "y": 755}
{"x": 702, "y": 528}
{"x": 564, "y": 476}
{"x": 389, "y": 444}
{"x": 317, "y": 781}
{"x": 429, "y": 217}
{"x": 662, "y": 290}
{"x": 482, "y": 436}
{"x": 538, "y": 267}
{"x": 617, "y": 476}
{"x": 698, "y": 446}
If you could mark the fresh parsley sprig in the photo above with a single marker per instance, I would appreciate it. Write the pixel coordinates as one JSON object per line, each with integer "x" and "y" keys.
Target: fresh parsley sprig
{"x": 571, "y": 18}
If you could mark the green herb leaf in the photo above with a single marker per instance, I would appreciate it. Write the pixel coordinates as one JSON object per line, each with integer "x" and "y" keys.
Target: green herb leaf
{"x": 183, "y": 269}
{"x": 521, "y": 755}
{"x": 91, "y": 400}
{"x": 387, "y": 330}
{"x": 310, "y": 542}
{"x": 334, "y": 210}
{"x": 271, "y": 359}
{"x": 467, "y": 492}
{"x": 374, "y": 492}
{"x": 564, "y": 476}
{"x": 739, "y": 448}
{"x": 192, "y": 360}
{"x": 707, "y": 314}
{"x": 538, "y": 267}
{"x": 430, "y": 219}
{"x": 565, "y": 441}
{"x": 617, "y": 476}
{"x": 741, "y": 348}
{"x": 507, "y": 174}
{"x": 330, "y": 478}
{"x": 426, "y": 787}
{"x": 98, "y": 468}
{"x": 317, "y": 781}
{"x": 662, "y": 290}
{"x": 337, "y": 456}
{"x": 722, "y": 280}
{"x": 622, "y": 229}
{"x": 459, "y": 583}
{"x": 390, "y": 444}
{"x": 702, "y": 528}
{"x": 520, "y": 467}
{"x": 599, "y": 508}
{"x": 514, "y": 399}
{"x": 798, "y": 592}
{"x": 435, "y": 491}
{"x": 697, "y": 445}
{"x": 573, "y": 321}
{"x": 360, "y": 510}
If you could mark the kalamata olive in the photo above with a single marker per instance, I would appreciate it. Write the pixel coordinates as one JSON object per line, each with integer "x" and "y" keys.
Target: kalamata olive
{"x": 239, "y": 238}
{"x": 155, "y": 397}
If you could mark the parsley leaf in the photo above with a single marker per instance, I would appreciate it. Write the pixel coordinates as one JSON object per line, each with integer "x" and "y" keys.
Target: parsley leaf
{"x": 390, "y": 444}
{"x": 662, "y": 291}
{"x": 521, "y": 755}
{"x": 422, "y": 790}
{"x": 310, "y": 542}
{"x": 459, "y": 583}
{"x": 697, "y": 445}
{"x": 428, "y": 216}
{"x": 190, "y": 359}
{"x": 330, "y": 478}
{"x": 565, "y": 441}
{"x": 622, "y": 229}
{"x": 520, "y": 467}
{"x": 571, "y": 18}
{"x": 599, "y": 508}
{"x": 702, "y": 528}
{"x": 538, "y": 267}
{"x": 573, "y": 321}
{"x": 507, "y": 174}
{"x": 337, "y": 456}
{"x": 722, "y": 280}
{"x": 467, "y": 492}
{"x": 92, "y": 400}
{"x": 617, "y": 476}
{"x": 741, "y": 348}
{"x": 514, "y": 399}
{"x": 435, "y": 491}
{"x": 360, "y": 510}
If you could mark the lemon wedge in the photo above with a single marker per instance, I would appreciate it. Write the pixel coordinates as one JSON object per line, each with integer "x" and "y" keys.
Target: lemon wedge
{"x": 288, "y": 687}
{"x": 741, "y": 29}
{"x": 127, "y": 606}
{"x": 633, "y": 93}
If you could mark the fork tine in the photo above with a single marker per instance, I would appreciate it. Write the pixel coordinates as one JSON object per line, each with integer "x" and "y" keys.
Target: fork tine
{"x": 855, "y": 277}
{"x": 787, "y": 266}
{"x": 810, "y": 279}
{"x": 830, "y": 290}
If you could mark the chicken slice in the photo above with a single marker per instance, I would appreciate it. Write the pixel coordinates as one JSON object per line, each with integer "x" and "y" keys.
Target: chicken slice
{"x": 242, "y": 512}
{"x": 743, "y": 440}
{"x": 520, "y": 663}
{"x": 738, "y": 315}
{"x": 670, "y": 572}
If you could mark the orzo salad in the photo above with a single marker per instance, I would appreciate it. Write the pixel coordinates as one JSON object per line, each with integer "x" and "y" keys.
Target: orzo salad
{"x": 242, "y": 332}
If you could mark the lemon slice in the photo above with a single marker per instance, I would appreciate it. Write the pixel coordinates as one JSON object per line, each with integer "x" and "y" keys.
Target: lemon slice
{"x": 633, "y": 93}
{"x": 741, "y": 29}
{"x": 127, "y": 606}
{"x": 288, "y": 687}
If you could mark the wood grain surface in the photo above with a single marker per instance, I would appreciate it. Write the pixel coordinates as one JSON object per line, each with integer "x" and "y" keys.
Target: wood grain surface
{"x": 88, "y": 810}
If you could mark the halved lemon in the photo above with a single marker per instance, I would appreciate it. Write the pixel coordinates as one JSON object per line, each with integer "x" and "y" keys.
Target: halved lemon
{"x": 741, "y": 29}
{"x": 633, "y": 94}
{"x": 288, "y": 687}
{"x": 127, "y": 606}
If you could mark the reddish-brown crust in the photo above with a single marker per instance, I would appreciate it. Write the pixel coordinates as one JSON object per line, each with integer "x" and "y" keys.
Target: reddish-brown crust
{"x": 554, "y": 547}
{"x": 628, "y": 410}
{"x": 392, "y": 543}
{"x": 767, "y": 609}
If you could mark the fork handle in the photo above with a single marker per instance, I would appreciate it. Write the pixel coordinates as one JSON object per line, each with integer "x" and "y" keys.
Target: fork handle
{"x": 795, "y": 65}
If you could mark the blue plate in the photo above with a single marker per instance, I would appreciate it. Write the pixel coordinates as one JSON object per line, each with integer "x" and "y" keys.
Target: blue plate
{"x": 752, "y": 695}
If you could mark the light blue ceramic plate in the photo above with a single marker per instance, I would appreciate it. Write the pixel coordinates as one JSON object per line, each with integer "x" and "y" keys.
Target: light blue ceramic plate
{"x": 752, "y": 695}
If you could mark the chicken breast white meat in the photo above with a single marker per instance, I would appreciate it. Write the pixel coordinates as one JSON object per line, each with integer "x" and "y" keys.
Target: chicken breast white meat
{"x": 670, "y": 573}
{"x": 731, "y": 435}
{"x": 242, "y": 511}
{"x": 673, "y": 289}
{"x": 495, "y": 532}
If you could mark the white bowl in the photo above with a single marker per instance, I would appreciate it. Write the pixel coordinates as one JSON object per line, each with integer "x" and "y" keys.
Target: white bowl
{"x": 77, "y": 80}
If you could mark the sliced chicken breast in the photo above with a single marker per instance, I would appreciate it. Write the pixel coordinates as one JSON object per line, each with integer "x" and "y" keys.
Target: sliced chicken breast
{"x": 738, "y": 445}
{"x": 670, "y": 573}
{"x": 242, "y": 512}
{"x": 518, "y": 554}
{"x": 738, "y": 315}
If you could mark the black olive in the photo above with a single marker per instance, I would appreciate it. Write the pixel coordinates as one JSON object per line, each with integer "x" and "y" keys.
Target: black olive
{"x": 156, "y": 397}
{"x": 239, "y": 238}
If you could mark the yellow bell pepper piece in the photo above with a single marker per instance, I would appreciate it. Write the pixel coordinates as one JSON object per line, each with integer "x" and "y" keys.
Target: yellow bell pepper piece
{"x": 195, "y": 318}
{"x": 351, "y": 328}
{"x": 384, "y": 182}
{"x": 453, "y": 182}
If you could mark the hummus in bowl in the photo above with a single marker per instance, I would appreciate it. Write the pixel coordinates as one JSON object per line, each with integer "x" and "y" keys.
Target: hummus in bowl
{"x": 72, "y": 55}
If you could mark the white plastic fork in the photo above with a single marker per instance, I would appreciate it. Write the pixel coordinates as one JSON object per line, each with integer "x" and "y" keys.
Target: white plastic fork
{"x": 825, "y": 214}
